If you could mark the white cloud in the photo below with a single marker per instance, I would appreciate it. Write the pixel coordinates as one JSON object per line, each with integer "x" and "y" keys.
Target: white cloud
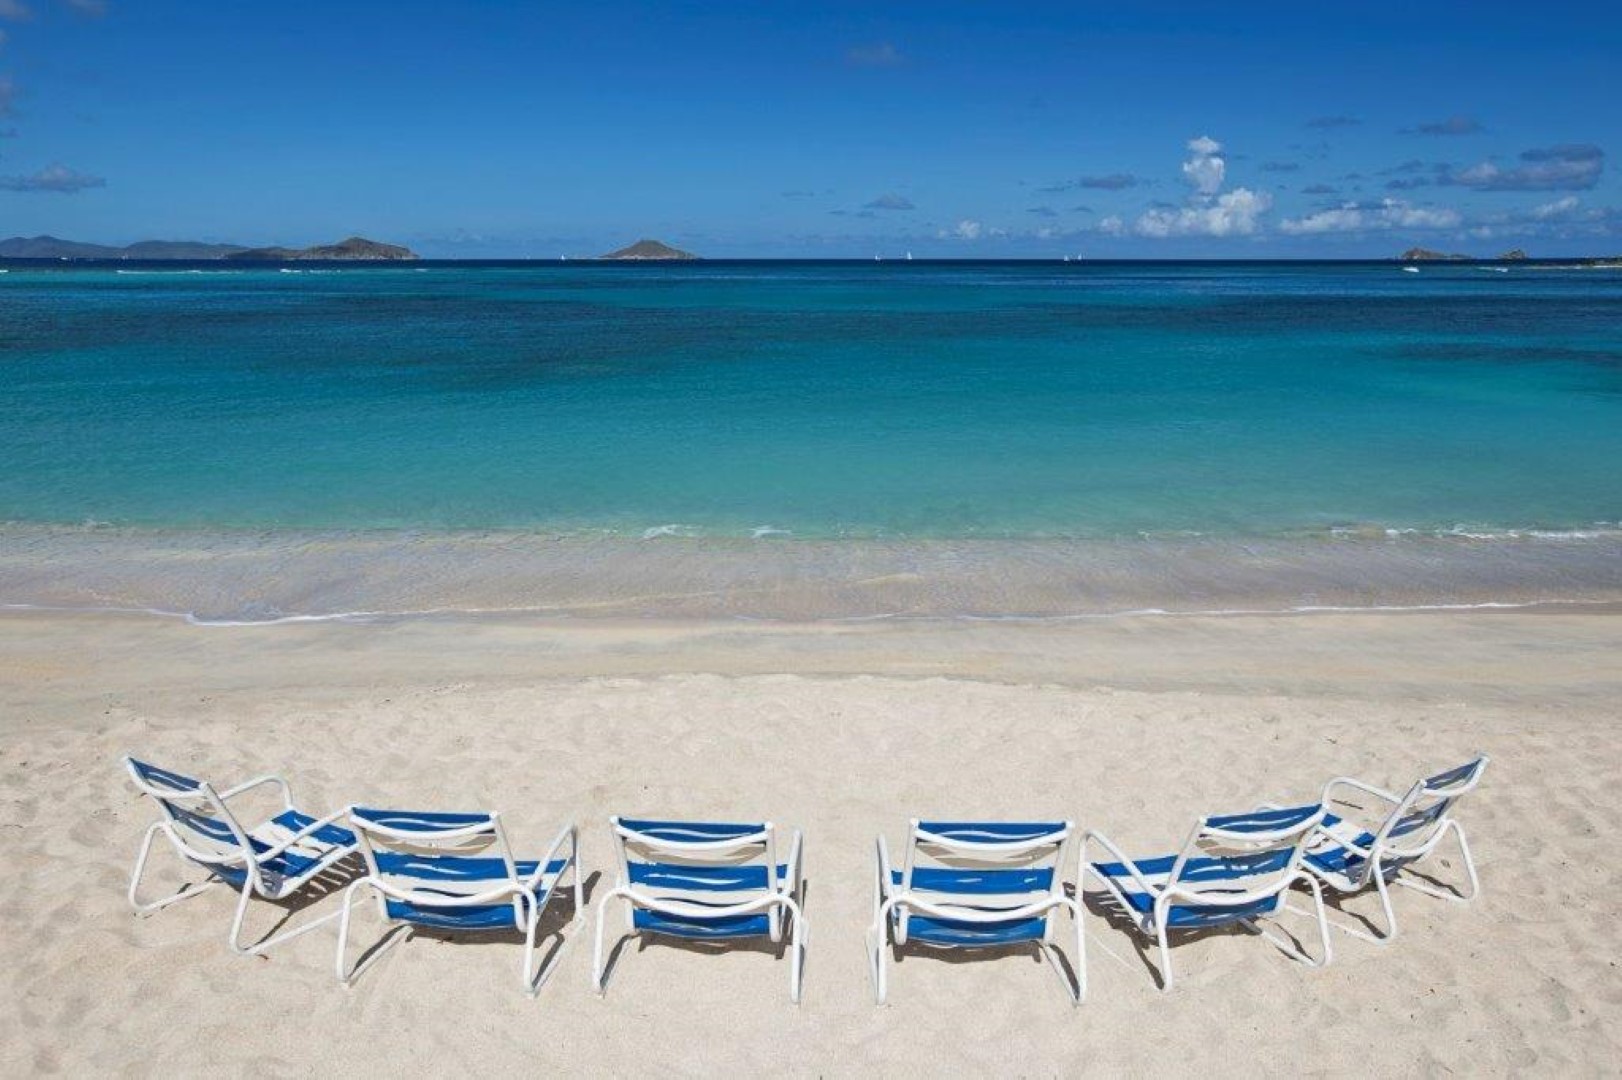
{"x": 966, "y": 229}
{"x": 1557, "y": 209}
{"x": 1205, "y": 170}
{"x": 1112, "y": 226}
{"x": 1568, "y": 167}
{"x": 1359, "y": 217}
{"x": 1233, "y": 213}
{"x": 53, "y": 178}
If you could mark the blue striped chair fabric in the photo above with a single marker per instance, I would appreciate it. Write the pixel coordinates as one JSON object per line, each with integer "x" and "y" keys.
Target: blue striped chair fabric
{"x": 199, "y": 819}
{"x": 430, "y": 874}
{"x": 983, "y": 889}
{"x": 1219, "y": 875}
{"x": 699, "y": 879}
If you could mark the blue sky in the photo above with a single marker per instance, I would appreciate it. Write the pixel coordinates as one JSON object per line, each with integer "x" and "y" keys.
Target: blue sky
{"x": 775, "y": 129}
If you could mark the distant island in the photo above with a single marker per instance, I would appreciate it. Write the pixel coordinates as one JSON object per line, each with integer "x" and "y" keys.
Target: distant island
{"x": 1419, "y": 254}
{"x": 50, "y": 247}
{"x": 1602, "y": 262}
{"x": 647, "y": 251}
{"x": 356, "y": 248}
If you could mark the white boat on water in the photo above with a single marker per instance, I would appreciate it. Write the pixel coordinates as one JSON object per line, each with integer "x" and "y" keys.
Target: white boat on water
{"x": 1410, "y": 269}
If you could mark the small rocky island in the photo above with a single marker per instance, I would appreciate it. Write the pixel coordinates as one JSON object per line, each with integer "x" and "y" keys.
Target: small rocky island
{"x": 1419, "y": 254}
{"x": 355, "y": 249}
{"x": 649, "y": 251}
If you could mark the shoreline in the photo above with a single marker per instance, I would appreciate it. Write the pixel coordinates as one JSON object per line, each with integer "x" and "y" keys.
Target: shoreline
{"x": 1419, "y": 656}
{"x": 252, "y": 577}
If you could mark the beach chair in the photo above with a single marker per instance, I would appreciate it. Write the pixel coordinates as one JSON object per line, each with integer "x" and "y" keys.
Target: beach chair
{"x": 706, "y": 881}
{"x": 455, "y": 872}
{"x": 1349, "y": 856}
{"x": 975, "y": 885}
{"x": 275, "y": 859}
{"x": 1236, "y": 868}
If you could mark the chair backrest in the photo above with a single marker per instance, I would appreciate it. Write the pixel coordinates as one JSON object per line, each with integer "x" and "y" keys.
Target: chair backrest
{"x": 1249, "y": 858}
{"x": 203, "y": 827}
{"x": 1417, "y": 824}
{"x": 984, "y": 865}
{"x": 703, "y": 862}
{"x": 433, "y": 857}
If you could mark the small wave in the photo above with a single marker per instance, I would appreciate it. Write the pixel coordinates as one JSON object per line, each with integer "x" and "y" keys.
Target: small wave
{"x": 686, "y": 531}
{"x": 172, "y": 273}
{"x": 761, "y": 531}
{"x": 365, "y": 617}
{"x": 1600, "y": 530}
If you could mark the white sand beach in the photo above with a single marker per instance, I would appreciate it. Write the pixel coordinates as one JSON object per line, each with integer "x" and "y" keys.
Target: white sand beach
{"x": 1132, "y": 725}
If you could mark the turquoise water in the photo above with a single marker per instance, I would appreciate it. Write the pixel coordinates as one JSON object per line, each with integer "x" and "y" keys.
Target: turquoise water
{"x": 815, "y": 400}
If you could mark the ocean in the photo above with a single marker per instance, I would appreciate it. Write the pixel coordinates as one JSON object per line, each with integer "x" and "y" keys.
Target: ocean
{"x": 989, "y": 439}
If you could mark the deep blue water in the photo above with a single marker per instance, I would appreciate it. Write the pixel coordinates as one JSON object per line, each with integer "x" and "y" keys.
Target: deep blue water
{"x": 894, "y": 399}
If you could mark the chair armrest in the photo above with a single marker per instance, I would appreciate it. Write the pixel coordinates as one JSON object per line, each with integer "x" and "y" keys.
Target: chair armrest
{"x": 570, "y": 835}
{"x": 886, "y": 878}
{"x": 303, "y": 834}
{"x": 260, "y": 781}
{"x": 1358, "y": 785}
{"x": 920, "y": 905}
{"x": 1091, "y": 836}
{"x": 794, "y": 869}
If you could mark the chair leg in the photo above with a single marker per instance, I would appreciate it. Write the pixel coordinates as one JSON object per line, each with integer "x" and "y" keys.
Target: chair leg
{"x": 1077, "y": 913}
{"x": 262, "y": 947}
{"x": 1469, "y": 868}
{"x": 1165, "y": 957}
{"x": 242, "y": 910}
{"x": 347, "y": 978}
{"x": 796, "y": 959}
{"x": 1383, "y": 888}
{"x": 1289, "y": 948}
{"x": 598, "y": 970}
{"x": 146, "y": 907}
{"x": 1323, "y": 922}
{"x": 1050, "y": 952}
{"x": 532, "y": 918}
{"x": 875, "y": 961}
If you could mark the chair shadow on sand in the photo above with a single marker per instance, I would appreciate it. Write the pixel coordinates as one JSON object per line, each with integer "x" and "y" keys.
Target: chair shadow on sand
{"x": 326, "y": 885}
{"x": 1103, "y": 906}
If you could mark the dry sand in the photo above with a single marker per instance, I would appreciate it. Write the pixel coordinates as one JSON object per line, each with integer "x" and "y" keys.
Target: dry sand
{"x": 1131, "y": 725}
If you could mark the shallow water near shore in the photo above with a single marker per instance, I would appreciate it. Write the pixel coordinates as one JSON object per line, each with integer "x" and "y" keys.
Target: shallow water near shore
{"x": 782, "y": 440}
{"x": 252, "y": 577}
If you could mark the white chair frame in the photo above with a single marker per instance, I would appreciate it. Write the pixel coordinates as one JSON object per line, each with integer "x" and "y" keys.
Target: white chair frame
{"x": 782, "y": 899}
{"x": 528, "y": 903}
{"x": 1387, "y": 849}
{"x": 1176, "y": 891}
{"x": 256, "y": 880}
{"x": 889, "y": 898}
